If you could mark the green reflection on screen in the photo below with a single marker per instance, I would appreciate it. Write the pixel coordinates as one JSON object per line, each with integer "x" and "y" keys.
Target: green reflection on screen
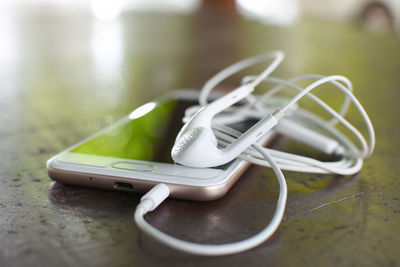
{"x": 140, "y": 138}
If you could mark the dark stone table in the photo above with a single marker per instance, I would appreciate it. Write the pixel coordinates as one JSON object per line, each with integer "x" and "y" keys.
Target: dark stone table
{"x": 65, "y": 75}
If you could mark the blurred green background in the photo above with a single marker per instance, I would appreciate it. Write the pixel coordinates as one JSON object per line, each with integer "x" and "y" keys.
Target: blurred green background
{"x": 102, "y": 58}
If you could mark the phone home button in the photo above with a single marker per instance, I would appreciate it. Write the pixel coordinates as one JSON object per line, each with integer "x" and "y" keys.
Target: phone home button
{"x": 141, "y": 167}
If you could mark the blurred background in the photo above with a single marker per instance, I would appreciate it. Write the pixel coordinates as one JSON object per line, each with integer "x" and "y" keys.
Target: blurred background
{"x": 100, "y": 58}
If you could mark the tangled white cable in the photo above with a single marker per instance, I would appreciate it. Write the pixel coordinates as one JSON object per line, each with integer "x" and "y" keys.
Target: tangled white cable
{"x": 205, "y": 140}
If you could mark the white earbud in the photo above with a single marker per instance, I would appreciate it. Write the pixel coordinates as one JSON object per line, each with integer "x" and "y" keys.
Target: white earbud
{"x": 204, "y": 116}
{"x": 196, "y": 146}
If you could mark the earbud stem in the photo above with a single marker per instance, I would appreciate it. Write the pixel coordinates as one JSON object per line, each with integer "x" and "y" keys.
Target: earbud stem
{"x": 229, "y": 99}
{"x": 309, "y": 137}
{"x": 254, "y": 133}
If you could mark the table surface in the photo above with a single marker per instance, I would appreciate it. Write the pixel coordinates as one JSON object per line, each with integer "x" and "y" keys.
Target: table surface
{"x": 65, "y": 75}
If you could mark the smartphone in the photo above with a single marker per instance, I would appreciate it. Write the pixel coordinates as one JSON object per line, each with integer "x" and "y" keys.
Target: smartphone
{"x": 134, "y": 154}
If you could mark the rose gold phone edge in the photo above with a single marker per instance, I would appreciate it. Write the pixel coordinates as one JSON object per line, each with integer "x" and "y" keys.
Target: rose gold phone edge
{"x": 179, "y": 191}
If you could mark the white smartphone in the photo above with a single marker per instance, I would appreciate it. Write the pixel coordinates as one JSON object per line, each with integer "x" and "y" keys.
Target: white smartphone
{"x": 133, "y": 154}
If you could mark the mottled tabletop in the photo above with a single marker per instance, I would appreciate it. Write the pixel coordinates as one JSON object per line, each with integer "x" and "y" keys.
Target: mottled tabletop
{"x": 65, "y": 74}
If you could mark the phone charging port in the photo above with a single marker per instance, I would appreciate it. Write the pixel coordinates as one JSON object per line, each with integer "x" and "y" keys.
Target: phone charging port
{"x": 123, "y": 186}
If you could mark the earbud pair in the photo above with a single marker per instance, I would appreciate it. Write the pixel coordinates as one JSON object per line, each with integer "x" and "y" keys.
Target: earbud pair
{"x": 197, "y": 146}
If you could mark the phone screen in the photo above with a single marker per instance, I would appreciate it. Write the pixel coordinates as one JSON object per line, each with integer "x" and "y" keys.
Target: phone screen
{"x": 148, "y": 133}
